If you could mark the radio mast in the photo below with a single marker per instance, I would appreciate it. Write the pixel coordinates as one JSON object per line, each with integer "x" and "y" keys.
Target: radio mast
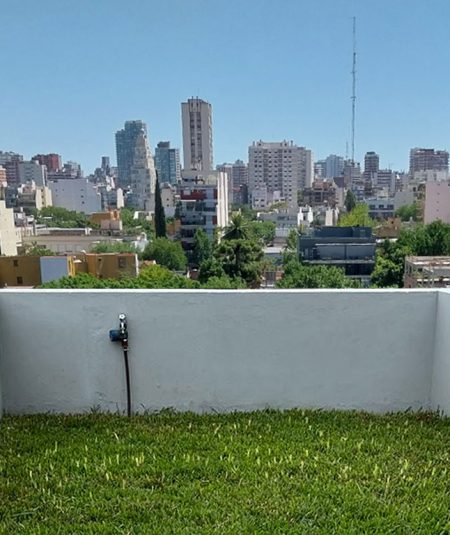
{"x": 353, "y": 90}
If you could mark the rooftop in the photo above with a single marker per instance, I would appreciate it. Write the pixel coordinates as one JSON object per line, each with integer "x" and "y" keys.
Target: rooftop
{"x": 266, "y": 472}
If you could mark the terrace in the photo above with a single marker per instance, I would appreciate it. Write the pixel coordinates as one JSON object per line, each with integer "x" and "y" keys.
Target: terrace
{"x": 210, "y": 464}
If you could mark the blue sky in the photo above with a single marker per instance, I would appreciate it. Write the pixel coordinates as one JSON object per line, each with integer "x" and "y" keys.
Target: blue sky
{"x": 74, "y": 71}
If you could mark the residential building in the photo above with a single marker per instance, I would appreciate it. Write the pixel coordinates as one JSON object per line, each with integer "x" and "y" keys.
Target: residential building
{"x": 334, "y": 166}
{"x": 371, "y": 166}
{"x": 237, "y": 181}
{"x": 203, "y": 204}
{"x": 76, "y": 194}
{"x": 32, "y": 171}
{"x": 141, "y": 193}
{"x": 279, "y": 166}
{"x": 285, "y": 220}
{"x": 380, "y": 207}
{"x": 109, "y": 221}
{"x": 349, "y": 248}
{"x": 427, "y": 271}
{"x": 32, "y": 197}
{"x": 108, "y": 265}
{"x": 8, "y": 236}
{"x": 429, "y": 175}
{"x": 437, "y": 202}
{"x": 384, "y": 179}
{"x": 421, "y": 159}
{"x": 196, "y": 116}
{"x": 322, "y": 192}
{"x": 169, "y": 199}
{"x": 126, "y": 140}
{"x": 29, "y": 270}
{"x": 167, "y": 163}
{"x": 70, "y": 241}
{"x": 51, "y": 161}
{"x": 10, "y": 163}
{"x": 319, "y": 170}
{"x": 2, "y": 175}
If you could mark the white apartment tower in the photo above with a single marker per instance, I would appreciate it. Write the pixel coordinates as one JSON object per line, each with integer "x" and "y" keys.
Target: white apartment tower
{"x": 280, "y": 166}
{"x": 197, "y": 135}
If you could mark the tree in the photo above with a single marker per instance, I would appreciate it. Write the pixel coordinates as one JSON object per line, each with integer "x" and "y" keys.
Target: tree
{"x": 350, "y": 200}
{"x": 160, "y": 217}
{"x": 262, "y": 231}
{"x": 33, "y": 249}
{"x": 224, "y": 283}
{"x": 409, "y": 212}
{"x": 166, "y": 253}
{"x": 210, "y": 268}
{"x": 116, "y": 247}
{"x": 291, "y": 250}
{"x": 358, "y": 217}
{"x": 238, "y": 229}
{"x": 202, "y": 247}
{"x": 297, "y": 275}
{"x": 241, "y": 258}
{"x": 62, "y": 218}
{"x": 132, "y": 224}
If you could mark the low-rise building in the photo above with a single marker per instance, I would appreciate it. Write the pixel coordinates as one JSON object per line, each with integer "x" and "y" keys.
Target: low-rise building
{"x": 76, "y": 194}
{"x": 108, "y": 265}
{"x": 107, "y": 221}
{"x": 350, "y": 248}
{"x": 380, "y": 207}
{"x": 34, "y": 270}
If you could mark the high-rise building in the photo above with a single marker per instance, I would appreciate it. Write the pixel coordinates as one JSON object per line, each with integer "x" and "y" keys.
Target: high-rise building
{"x": 125, "y": 149}
{"x": 427, "y": 159}
{"x": 280, "y": 166}
{"x": 196, "y": 118}
{"x": 167, "y": 163}
{"x": 142, "y": 177}
{"x": 371, "y": 166}
{"x": 51, "y": 161}
{"x": 334, "y": 166}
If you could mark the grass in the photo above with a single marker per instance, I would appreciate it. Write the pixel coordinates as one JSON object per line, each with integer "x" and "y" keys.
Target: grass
{"x": 266, "y": 472}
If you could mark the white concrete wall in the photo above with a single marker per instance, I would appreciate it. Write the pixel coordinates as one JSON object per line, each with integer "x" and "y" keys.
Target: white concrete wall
{"x": 441, "y": 369}
{"x": 218, "y": 350}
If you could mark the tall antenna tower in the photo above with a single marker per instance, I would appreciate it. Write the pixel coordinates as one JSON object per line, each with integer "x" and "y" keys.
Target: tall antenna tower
{"x": 353, "y": 90}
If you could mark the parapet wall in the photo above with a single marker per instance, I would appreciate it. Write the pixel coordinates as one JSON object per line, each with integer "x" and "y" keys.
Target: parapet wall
{"x": 224, "y": 350}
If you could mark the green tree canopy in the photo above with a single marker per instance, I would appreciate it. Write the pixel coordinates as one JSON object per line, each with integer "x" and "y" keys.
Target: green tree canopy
{"x": 56, "y": 216}
{"x": 166, "y": 253}
{"x": 262, "y": 231}
{"x": 116, "y": 247}
{"x": 297, "y": 275}
{"x": 350, "y": 200}
{"x": 409, "y": 212}
{"x": 358, "y": 217}
{"x": 241, "y": 258}
{"x": 202, "y": 247}
{"x": 238, "y": 229}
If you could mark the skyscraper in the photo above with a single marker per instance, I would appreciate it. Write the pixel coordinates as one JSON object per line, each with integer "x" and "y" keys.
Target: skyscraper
{"x": 334, "y": 165}
{"x": 197, "y": 135}
{"x": 136, "y": 168}
{"x": 125, "y": 149}
{"x": 167, "y": 163}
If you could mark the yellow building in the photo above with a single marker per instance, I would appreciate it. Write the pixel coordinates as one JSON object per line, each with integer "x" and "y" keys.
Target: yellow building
{"x": 107, "y": 220}
{"x": 111, "y": 265}
{"x": 34, "y": 270}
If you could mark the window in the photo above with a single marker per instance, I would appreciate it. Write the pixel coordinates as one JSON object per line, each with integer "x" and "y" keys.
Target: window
{"x": 122, "y": 262}
{"x": 19, "y": 280}
{"x": 15, "y": 263}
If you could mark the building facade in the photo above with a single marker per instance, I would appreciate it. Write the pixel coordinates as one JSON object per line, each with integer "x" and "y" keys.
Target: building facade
{"x": 76, "y": 194}
{"x": 437, "y": 202}
{"x": 203, "y": 204}
{"x": 167, "y": 163}
{"x": 126, "y": 140}
{"x": 427, "y": 159}
{"x": 32, "y": 172}
{"x": 371, "y": 165}
{"x": 196, "y": 116}
{"x": 51, "y": 161}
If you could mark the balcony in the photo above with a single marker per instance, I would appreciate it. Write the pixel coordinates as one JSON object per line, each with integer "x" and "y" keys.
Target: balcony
{"x": 375, "y": 350}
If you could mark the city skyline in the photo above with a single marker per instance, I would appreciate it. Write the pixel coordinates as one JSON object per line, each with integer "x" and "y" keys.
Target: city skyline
{"x": 270, "y": 76}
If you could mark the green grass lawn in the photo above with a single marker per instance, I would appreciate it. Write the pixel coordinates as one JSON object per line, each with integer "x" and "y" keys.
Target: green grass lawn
{"x": 265, "y": 472}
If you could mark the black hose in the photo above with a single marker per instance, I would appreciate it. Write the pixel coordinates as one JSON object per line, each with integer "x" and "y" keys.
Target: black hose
{"x": 127, "y": 375}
